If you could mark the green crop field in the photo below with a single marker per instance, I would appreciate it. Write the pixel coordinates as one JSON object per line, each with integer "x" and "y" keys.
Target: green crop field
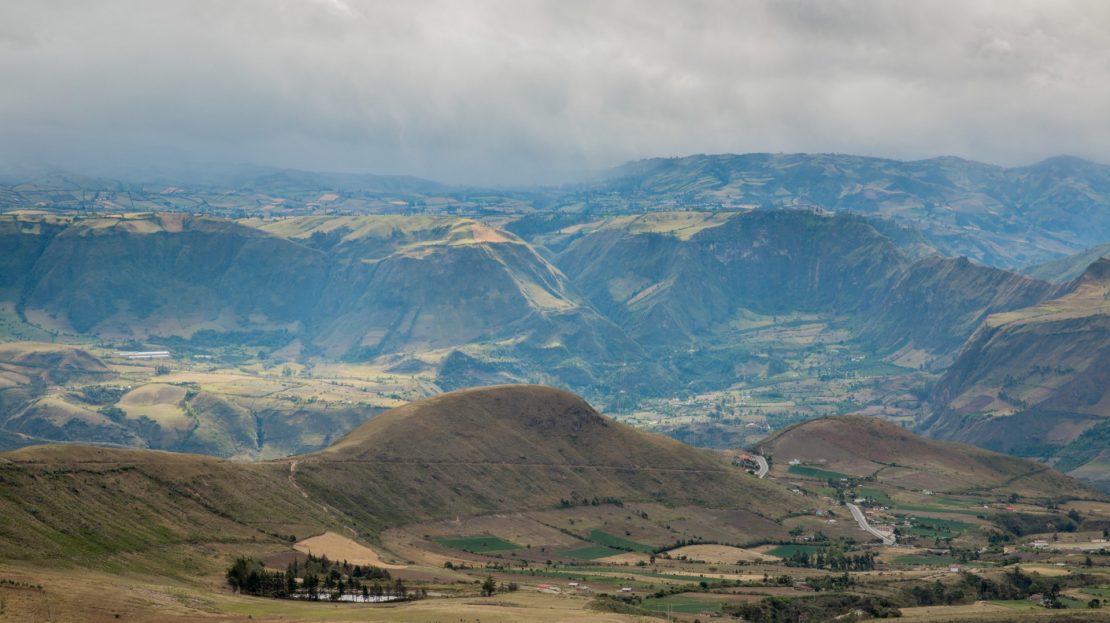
{"x": 680, "y": 603}
{"x": 478, "y": 544}
{"x": 786, "y": 551}
{"x": 933, "y": 528}
{"x": 1097, "y": 591}
{"x": 592, "y": 552}
{"x": 813, "y": 472}
{"x": 616, "y": 542}
{"x": 878, "y": 495}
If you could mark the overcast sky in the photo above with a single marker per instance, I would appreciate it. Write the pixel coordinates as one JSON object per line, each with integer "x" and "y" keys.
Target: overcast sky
{"x": 521, "y": 91}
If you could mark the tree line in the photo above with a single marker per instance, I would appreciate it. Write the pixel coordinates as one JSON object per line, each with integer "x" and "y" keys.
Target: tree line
{"x": 316, "y": 578}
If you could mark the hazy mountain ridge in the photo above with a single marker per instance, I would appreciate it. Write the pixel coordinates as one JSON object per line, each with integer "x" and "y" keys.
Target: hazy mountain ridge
{"x": 629, "y": 307}
{"x": 352, "y": 288}
{"x": 1066, "y": 269}
{"x": 998, "y": 216}
{"x": 683, "y": 277}
{"x": 1008, "y": 217}
{"x": 1033, "y": 381}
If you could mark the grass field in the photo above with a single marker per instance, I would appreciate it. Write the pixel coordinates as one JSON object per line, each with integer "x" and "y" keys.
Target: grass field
{"x": 718, "y": 554}
{"x": 932, "y": 527}
{"x": 592, "y": 552}
{"x": 932, "y": 508}
{"x": 1016, "y": 604}
{"x": 923, "y": 559}
{"x": 878, "y": 495}
{"x": 616, "y": 542}
{"x": 680, "y": 603}
{"x": 478, "y": 544}
{"x": 786, "y": 551}
{"x": 813, "y": 472}
{"x": 1097, "y": 591}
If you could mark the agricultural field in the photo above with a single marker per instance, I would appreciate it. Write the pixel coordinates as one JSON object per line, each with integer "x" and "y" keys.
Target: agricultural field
{"x": 814, "y": 472}
{"x": 782, "y": 370}
{"x": 208, "y": 401}
{"x": 478, "y": 544}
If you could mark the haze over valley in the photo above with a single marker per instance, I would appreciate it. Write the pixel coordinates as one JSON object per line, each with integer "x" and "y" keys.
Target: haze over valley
{"x": 766, "y": 311}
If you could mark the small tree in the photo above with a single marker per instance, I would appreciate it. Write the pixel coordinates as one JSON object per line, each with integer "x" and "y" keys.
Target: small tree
{"x": 489, "y": 587}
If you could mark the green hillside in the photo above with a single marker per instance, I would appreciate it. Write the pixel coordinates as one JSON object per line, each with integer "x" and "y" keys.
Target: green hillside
{"x": 470, "y": 452}
{"x": 496, "y": 449}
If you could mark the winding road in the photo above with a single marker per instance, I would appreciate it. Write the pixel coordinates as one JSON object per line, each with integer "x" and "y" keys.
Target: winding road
{"x": 861, "y": 519}
{"x": 763, "y": 466}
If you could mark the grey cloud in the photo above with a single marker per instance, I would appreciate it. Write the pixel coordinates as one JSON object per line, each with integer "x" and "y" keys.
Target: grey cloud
{"x": 517, "y": 92}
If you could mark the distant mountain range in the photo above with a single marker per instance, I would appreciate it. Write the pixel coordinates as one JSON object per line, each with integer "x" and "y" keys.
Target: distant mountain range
{"x": 1006, "y": 217}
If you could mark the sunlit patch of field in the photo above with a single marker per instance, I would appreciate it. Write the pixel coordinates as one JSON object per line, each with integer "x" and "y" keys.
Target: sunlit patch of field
{"x": 625, "y": 558}
{"x": 720, "y": 554}
{"x": 980, "y": 609}
{"x": 158, "y": 402}
{"x": 338, "y": 547}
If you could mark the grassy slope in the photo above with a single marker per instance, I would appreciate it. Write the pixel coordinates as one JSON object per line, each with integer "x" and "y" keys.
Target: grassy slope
{"x": 101, "y": 507}
{"x": 526, "y": 448}
{"x": 861, "y": 446}
{"x": 508, "y": 448}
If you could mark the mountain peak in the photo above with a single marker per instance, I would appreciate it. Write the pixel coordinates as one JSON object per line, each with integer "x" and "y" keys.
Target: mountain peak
{"x": 1098, "y": 273}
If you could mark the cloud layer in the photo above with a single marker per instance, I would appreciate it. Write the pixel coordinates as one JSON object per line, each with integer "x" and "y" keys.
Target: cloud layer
{"x": 519, "y": 92}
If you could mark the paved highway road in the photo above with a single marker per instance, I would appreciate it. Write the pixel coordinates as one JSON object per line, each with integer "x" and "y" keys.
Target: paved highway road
{"x": 763, "y": 466}
{"x": 861, "y": 519}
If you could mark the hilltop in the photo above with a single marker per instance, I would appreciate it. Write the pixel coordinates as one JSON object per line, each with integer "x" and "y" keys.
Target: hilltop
{"x": 863, "y": 446}
{"x": 1032, "y": 381}
{"x": 503, "y": 448}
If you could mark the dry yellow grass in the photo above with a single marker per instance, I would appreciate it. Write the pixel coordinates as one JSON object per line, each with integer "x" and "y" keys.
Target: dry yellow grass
{"x": 629, "y": 558}
{"x": 485, "y": 233}
{"x": 338, "y": 547}
{"x": 719, "y": 554}
{"x": 158, "y": 402}
{"x": 93, "y": 597}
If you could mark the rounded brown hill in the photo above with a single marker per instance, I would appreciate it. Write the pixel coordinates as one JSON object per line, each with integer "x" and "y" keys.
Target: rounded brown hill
{"x": 863, "y": 446}
{"x": 515, "y": 448}
{"x": 512, "y": 424}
